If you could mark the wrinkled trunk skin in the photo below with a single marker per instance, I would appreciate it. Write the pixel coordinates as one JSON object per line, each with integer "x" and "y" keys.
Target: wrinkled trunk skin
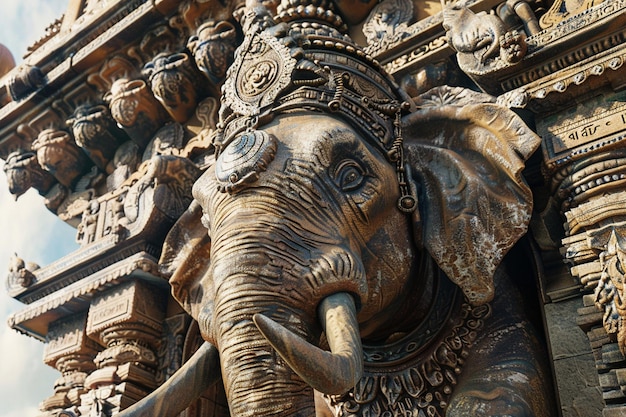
{"x": 257, "y": 381}
{"x": 258, "y": 275}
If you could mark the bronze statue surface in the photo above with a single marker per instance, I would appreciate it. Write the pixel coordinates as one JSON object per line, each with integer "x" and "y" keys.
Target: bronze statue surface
{"x": 337, "y": 215}
{"x": 326, "y": 207}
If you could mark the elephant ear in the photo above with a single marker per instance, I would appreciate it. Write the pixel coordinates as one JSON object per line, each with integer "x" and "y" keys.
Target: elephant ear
{"x": 466, "y": 156}
{"x": 185, "y": 258}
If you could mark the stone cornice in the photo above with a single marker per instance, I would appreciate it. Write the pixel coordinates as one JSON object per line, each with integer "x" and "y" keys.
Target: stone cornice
{"x": 66, "y": 57}
{"x": 75, "y": 298}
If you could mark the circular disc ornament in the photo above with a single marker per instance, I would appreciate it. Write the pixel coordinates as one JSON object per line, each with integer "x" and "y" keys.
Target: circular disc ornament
{"x": 243, "y": 159}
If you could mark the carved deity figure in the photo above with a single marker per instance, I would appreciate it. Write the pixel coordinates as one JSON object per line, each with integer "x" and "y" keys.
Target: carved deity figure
{"x": 343, "y": 254}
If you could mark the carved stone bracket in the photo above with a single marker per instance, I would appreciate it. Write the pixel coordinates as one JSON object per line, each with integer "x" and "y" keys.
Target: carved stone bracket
{"x": 134, "y": 107}
{"x": 23, "y": 172}
{"x": 483, "y": 42}
{"x": 25, "y": 81}
{"x": 213, "y": 48}
{"x": 175, "y": 83}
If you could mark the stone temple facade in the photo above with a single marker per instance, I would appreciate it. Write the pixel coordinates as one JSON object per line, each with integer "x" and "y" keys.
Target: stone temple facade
{"x": 112, "y": 116}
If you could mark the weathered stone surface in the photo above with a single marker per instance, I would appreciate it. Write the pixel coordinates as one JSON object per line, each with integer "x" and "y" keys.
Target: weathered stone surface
{"x": 576, "y": 377}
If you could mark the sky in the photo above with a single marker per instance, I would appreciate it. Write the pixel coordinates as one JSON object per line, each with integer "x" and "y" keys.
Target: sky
{"x": 28, "y": 229}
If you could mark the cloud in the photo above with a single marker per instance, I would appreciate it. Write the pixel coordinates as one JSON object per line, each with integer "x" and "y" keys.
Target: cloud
{"x": 25, "y": 412}
{"x": 29, "y": 381}
{"x": 37, "y": 235}
{"x": 29, "y": 229}
{"x": 22, "y": 22}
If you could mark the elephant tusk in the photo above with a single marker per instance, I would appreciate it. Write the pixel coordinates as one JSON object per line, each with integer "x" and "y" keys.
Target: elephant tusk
{"x": 332, "y": 372}
{"x": 186, "y": 385}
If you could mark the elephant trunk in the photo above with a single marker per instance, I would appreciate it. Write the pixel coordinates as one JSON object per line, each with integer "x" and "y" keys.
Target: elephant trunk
{"x": 268, "y": 359}
{"x": 278, "y": 279}
{"x": 257, "y": 381}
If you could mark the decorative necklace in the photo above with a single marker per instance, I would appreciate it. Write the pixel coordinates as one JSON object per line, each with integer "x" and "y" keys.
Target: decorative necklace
{"x": 419, "y": 371}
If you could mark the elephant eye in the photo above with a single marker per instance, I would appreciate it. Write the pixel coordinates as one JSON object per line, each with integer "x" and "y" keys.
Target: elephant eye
{"x": 349, "y": 176}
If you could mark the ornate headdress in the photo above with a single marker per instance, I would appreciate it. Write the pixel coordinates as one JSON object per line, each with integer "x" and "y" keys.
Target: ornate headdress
{"x": 301, "y": 60}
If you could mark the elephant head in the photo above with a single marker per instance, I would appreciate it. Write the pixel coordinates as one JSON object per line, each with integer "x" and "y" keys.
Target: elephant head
{"x": 329, "y": 192}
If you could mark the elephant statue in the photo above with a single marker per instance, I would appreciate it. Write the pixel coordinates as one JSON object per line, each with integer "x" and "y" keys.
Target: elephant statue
{"x": 343, "y": 254}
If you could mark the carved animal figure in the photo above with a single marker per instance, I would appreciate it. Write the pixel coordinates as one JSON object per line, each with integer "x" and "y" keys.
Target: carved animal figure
{"x": 478, "y": 34}
{"x": 340, "y": 260}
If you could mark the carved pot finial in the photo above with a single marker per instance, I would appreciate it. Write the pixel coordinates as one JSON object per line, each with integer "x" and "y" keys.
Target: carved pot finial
{"x": 174, "y": 84}
{"x": 58, "y": 154}
{"x": 96, "y": 133}
{"x": 135, "y": 109}
{"x": 213, "y": 48}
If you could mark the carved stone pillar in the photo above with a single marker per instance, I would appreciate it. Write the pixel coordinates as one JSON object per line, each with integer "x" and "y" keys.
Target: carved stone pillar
{"x": 127, "y": 320}
{"x": 585, "y": 158}
{"x": 71, "y": 352}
